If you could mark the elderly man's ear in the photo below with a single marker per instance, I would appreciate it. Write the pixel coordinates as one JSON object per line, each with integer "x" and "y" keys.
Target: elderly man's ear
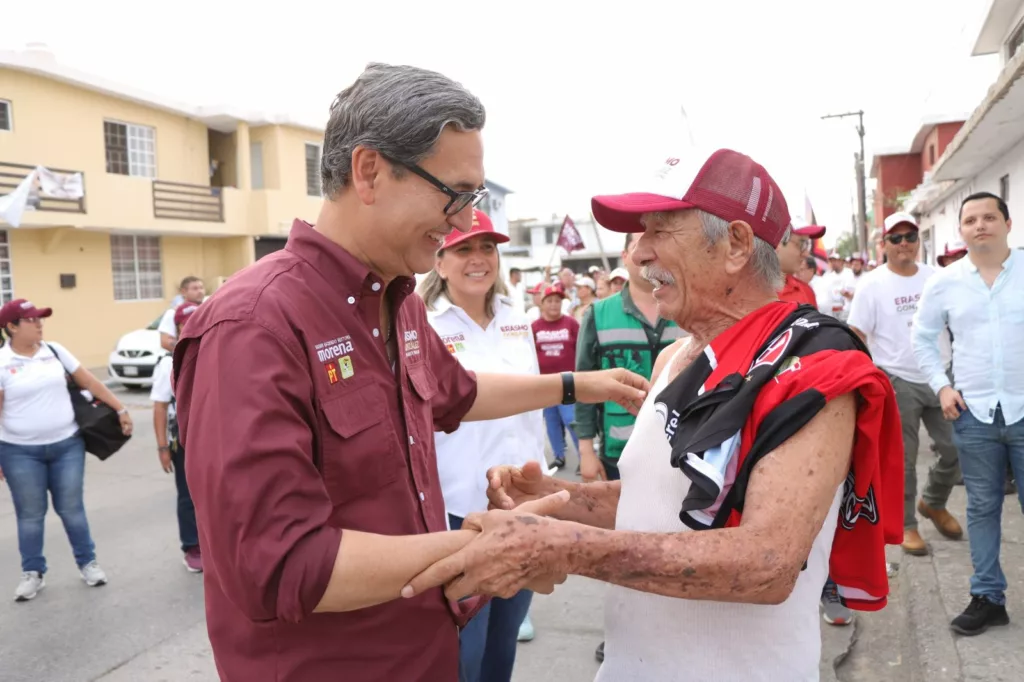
{"x": 739, "y": 247}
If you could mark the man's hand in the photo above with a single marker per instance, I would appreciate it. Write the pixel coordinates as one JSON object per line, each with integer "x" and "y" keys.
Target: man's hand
{"x": 513, "y": 551}
{"x": 591, "y": 468}
{"x": 952, "y": 402}
{"x": 165, "y": 460}
{"x": 612, "y": 385}
{"x": 509, "y": 486}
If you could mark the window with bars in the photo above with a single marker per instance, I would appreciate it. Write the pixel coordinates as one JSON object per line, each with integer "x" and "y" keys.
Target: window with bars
{"x": 6, "y": 281}
{"x": 137, "y": 267}
{"x": 312, "y": 169}
{"x": 5, "y": 115}
{"x": 130, "y": 148}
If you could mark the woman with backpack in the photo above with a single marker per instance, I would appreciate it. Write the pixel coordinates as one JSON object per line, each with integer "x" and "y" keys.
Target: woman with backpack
{"x": 41, "y": 451}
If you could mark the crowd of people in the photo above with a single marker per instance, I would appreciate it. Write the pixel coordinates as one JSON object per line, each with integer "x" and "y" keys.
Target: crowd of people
{"x": 747, "y": 430}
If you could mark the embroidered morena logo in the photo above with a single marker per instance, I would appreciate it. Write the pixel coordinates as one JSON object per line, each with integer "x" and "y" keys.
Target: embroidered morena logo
{"x": 855, "y": 508}
{"x": 334, "y": 348}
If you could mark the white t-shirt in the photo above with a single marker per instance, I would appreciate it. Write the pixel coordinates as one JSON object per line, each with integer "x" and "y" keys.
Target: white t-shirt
{"x": 884, "y": 310}
{"x": 465, "y": 455}
{"x": 167, "y": 325}
{"x": 517, "y": 292}
{"x": 829, "y": 294}
{"x": 161, "y": 391}
{"x": 36, "y": 409}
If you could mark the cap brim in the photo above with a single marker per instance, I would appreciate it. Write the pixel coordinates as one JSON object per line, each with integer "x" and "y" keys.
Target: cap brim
{"x": 496, "y": 237}
{"x": 621, "y": 212}
{"x": 42, "y": 312}
{"x": 812, "y": 231}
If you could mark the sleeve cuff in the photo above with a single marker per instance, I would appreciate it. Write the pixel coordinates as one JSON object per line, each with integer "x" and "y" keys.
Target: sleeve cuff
{"x": 308, "y": 569}
{"x": 938, "y": 382}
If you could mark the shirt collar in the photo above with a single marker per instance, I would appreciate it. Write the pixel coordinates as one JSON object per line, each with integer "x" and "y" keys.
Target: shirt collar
{"x": 338, "y": 266}
{"x": 443, "y": 304}
{"x": 973, "y": 269}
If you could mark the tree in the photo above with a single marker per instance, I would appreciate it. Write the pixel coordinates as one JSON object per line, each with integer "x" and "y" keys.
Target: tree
{"x": 846, "y": 245}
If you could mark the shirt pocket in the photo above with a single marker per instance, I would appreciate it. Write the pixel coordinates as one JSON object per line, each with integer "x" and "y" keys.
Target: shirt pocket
{"x": 424, "y": 389}
{"x": 359, "y": 453}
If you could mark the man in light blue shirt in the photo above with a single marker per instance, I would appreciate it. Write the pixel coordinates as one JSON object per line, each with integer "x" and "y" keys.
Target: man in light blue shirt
{"x": 981, "y": 299}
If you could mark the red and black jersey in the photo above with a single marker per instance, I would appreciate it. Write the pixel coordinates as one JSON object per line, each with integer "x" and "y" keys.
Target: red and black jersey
{"x": 754, "y": 387}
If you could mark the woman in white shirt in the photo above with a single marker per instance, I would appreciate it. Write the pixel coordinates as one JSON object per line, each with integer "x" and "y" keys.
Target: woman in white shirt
{"x": 479, "y": 325}
{"x": 41, "y": 451}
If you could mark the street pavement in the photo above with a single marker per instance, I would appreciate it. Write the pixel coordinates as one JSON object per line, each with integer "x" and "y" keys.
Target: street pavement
{"x": 148, "y": 624}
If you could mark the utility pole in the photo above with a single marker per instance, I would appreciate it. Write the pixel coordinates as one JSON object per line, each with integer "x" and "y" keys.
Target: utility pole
{"x": 862, "y": 203}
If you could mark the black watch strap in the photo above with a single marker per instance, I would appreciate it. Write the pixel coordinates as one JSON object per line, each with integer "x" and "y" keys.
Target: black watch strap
{"x": 568, "y": 389}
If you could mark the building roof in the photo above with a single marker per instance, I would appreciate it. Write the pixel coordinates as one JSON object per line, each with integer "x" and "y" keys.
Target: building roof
{"x": 997, "y": 23}
{"x": 928, "y": 123}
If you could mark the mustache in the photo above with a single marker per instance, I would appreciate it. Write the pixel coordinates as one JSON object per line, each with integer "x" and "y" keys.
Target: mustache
{"x": 653, "y": 272}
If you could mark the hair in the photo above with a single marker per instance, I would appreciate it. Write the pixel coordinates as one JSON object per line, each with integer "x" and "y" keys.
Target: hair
{"x": 1003, "y": 208}
{"x": 433, "y": 287}
{"x": 399, "y": 111}
{"x": 188, "y": 280}
{"x": 764, "y": 262}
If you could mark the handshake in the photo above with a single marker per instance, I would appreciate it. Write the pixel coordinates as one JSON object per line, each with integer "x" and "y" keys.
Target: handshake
{"x": 515, "y": 545}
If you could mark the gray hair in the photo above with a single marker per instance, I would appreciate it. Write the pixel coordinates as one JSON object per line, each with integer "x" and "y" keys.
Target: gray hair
{"x": 764, "y": 262}
{"x": 399, "y": 111}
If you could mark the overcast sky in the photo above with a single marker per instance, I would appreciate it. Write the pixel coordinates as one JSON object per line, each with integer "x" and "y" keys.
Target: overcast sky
{"x": 582, "y": 97}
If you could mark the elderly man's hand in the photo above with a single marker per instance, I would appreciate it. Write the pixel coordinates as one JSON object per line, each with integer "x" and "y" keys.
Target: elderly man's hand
{"x": 509, "y": 486}
{"x": 513, "y": 551}
{"x": 612, "y": 385}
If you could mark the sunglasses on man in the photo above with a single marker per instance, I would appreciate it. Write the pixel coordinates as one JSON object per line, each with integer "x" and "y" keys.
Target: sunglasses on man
{"x": 897, "y": 239}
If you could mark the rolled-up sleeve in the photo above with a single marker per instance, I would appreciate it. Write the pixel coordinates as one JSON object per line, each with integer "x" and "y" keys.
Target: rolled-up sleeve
{"x": 246, "y": 417}
{"x": 456, "y": 386}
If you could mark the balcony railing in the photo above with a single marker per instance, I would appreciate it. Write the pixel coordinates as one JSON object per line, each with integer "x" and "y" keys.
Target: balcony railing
{"x": 181, "y": 201}
{"x": 11, "y": 175}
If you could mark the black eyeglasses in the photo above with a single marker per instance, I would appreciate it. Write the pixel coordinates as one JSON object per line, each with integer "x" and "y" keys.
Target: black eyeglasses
{"x": 897, "y": 239}
{"x": 457, "y": 201}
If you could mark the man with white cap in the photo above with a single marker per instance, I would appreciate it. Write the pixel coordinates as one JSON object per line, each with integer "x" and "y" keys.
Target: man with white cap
{"x": 719, "y": 535}
{"x": 882, "y": 313}
{"x": 831, "y": 288}
{"x": 617, "y": 279}
{"x": 952, "y": 253}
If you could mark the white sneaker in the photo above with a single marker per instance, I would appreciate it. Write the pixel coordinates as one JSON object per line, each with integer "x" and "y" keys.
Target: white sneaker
{"x": 93, "y": 575}
{"x": 28, "y": 588}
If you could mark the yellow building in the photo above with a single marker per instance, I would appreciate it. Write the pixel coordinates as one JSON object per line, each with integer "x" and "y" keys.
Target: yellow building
{"x": 169, "y": 191}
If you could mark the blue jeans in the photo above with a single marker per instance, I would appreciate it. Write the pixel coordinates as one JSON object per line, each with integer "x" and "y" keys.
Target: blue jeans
{"x": 557, "y": 420}
{"x": 985, "y": 451}
{"x": 487, "y": 645}
{"x": 32, "y": 471}
{"x": 187, "y": 531}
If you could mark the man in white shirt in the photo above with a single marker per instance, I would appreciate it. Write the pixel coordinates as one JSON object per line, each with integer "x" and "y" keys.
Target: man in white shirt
{"x": 832, "y": 289}
{"x": 882, "y": 313}
{"x": 979, "y": 299}
{"x": 192, "y": 290}
{"x": 517, "y": 290}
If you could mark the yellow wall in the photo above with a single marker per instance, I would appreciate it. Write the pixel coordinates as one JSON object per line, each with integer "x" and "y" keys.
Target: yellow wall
{"x": 87, "y": 318}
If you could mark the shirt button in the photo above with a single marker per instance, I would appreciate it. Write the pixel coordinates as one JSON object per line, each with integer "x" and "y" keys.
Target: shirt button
{"x": 376, "y": 333}
{"x": 351, "y": 299}
{"x": 411, "y": 441}
{"x": 422, "y": 497}
{"x": 376, "y": 286}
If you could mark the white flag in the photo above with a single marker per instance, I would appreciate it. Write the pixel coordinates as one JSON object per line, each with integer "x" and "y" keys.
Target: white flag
{"x": 60, "y": 185}
{"x": 12, "y": 205}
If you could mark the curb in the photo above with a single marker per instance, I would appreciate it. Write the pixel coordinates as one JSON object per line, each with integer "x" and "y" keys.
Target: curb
{"x": 931, "y": 648}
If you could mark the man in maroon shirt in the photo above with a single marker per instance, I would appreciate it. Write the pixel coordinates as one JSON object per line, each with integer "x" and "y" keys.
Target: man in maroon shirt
{"x": 309, "y": 388}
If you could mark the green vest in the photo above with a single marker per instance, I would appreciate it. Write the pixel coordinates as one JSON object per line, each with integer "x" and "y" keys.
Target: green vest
{"x": 624, "y": 341}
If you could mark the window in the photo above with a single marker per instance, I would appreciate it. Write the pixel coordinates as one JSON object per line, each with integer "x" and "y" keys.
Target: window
{"x": 131, "y": 149}
{"x": 551, "y": 233}
{"x": 312, "y": 169}
{"x": 256, "y": 162}
{"x": 6, "y": 283}
{"x": 137, "y": 267}
{"x": 1004, "y": 188}
{"x": 5, "y": 115}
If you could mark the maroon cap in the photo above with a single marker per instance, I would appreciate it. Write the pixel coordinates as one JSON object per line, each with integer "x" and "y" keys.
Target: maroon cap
{"x": 728, "y": 184}
{"x": 19, "y": 309}
{"x": 481, "y": 225}
{"x": 184, "y": 311}
{"x": 812, "y": 231}
{"x": 554, "y": 290}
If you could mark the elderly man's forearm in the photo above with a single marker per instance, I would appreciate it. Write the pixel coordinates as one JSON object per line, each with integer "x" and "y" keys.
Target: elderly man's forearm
{"x": 503, "y": 395}
{"x": 372, "y": 569}
{"x": 728, "y": 565}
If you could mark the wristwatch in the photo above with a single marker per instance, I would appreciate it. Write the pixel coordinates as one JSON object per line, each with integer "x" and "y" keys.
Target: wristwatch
{"x": 162, "y": 448}
{"x": 568, "y": 389}
{"x": 123, "y": 410}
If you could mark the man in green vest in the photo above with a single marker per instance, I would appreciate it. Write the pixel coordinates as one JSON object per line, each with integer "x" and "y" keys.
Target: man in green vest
{"x": 623, "y": 330}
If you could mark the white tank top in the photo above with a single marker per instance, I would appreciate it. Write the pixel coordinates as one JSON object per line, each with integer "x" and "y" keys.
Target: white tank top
{"x": 651, "y": 638}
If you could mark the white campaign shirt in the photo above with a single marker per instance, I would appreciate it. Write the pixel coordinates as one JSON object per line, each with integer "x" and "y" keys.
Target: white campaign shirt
{"x": 464, "y": 456}
{"x": 161, "y": 391}
{"x": 36, "y": 408}
{"x": 829, "y": 294}
{"x": 517, "y": 292}
{"x": 653, "y": 638}
{"x": 884, "y": 310}
{"x": 988, "y": 336}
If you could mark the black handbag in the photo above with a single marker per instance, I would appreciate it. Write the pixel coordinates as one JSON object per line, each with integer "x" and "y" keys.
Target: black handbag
{"x": 98, "y": 423}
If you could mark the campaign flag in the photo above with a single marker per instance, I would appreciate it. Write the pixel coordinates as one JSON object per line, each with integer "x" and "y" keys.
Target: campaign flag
{"x": 569, "y": 237}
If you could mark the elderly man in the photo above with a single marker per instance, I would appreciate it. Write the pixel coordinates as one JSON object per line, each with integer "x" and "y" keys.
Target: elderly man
{"x": 769, "y": 442}
{"x": 309, "y": 390}
{"x": 793, "y": 251}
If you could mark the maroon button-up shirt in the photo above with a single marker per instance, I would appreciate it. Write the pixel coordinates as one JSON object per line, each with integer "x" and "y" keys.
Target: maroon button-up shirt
{"x": 296, "y": 427}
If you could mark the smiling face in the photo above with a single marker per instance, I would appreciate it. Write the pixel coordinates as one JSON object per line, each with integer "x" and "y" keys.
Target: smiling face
{"x": 551, "y": 308}
{"x": 470, "y": 268}
{"x": 983, "y": 227}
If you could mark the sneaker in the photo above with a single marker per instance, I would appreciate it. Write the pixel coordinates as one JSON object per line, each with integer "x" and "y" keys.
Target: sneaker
{"x": 979, "y": 615}
{"x": 193, "y": 560}
{"x": 526, "y": 632}
{"x": 558, "y": 463}
{"x": 835, "y": 613}
{"x": 28, "y": 588}
{"x": 599, "y": 653}
{"x": 93, "y": 575}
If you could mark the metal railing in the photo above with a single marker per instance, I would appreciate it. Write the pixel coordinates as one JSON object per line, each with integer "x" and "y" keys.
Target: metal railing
{"x": 181, "y": 201}
{"x": 11, "y": 175}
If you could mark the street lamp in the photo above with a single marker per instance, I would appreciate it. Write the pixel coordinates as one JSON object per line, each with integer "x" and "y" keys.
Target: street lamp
{"x": 862, "y": 204}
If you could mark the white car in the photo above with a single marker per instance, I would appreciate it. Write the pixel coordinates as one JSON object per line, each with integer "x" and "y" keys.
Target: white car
{"x": 135, "y": 356}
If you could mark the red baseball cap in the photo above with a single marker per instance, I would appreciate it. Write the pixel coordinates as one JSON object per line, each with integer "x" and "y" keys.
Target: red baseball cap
{"x": 951, "y": 251}
{"x": 184, "y": 311}
{"x": 536, "y": 288}
{"x": 726, "y": 184}
{"x": 811, "y": 231}
{"x": 554, "y": 290}
{"x": 19, "y": 309}
{"x": 481, "y": 225}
